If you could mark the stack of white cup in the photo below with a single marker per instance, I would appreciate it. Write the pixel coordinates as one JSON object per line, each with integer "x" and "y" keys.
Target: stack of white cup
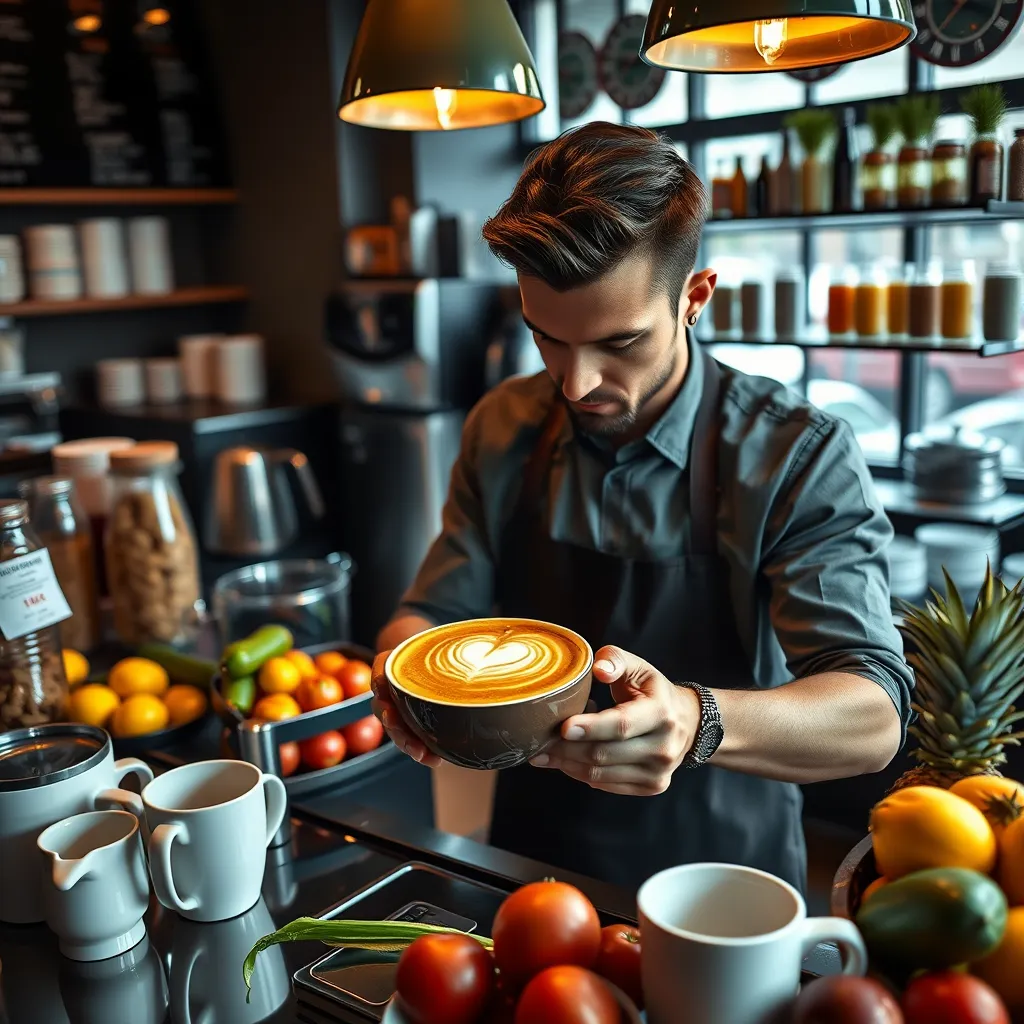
{"x": 149, "y": 244}
{"x": 12, "y": 280}
{"x": 103, "y": 257}
{"x": 198, "y": 365}
{"x": 163, "y": 380}
{"x": 120, "y": 382}
{"x": 53, "y": 262}
{"x": 240, "y": 376}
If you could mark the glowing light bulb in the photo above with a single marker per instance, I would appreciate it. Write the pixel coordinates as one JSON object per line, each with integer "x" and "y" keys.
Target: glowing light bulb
{"x": 770, "y": 38}
{"x": 157, "y": 16}
{"x": 87, "y": 23}
{"x": 445, "y": 100}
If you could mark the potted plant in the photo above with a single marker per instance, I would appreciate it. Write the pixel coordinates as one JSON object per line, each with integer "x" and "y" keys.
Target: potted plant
{"x": 916, "y": 116}
{"x": 985, "y": 105}
{"x": 969, "y": 670}
{"x": 878, "y": 171}
{"x": 813, "y": 128}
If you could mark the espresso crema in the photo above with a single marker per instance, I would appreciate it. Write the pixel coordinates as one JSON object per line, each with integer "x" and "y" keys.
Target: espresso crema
{"x": 489, "y": 661}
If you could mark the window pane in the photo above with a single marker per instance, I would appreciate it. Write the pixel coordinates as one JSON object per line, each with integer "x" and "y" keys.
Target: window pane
{"x": 592, "y": 18}
{"x": 784, "y": 363}
{"x": 670, "y": 106}
{"x": 884, "y": 75}
{"x": 1006, "y": 62}
{"x": 748, "y": 94}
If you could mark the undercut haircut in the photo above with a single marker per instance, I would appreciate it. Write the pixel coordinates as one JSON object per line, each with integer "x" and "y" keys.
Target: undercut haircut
{"x": 596, "y": 195}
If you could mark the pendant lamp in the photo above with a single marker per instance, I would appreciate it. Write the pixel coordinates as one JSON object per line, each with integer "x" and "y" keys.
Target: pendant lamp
{"x": 772, "y": 35}
{"x": 429, "y": 65}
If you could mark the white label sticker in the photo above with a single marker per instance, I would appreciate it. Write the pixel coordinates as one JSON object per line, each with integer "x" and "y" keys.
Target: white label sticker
{"x": 30, "y": 596}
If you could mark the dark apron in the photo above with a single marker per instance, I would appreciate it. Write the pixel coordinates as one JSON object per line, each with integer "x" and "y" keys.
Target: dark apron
{"x": 676, "y": 614}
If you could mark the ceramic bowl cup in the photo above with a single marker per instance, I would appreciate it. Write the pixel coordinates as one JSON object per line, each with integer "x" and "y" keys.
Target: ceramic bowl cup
{"x": 496, "y": 735}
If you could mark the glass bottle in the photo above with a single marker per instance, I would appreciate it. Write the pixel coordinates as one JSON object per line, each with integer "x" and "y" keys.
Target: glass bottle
{"x": 842, "y": 292}
{"x": 790, "y": 304}
{"x": 871, "y": 303}
{"x": 739, "y": 190}
{"x": 62, "y": 525}
{"x": 33, "y": 686}
{"x": 926, "y": 302}
{"x": 782, "y": 182}
{"x": 1015, "y": 177}
{"x": 721, "y": 194}
{"x": 986, "y": 170}
{"x": 958, "y": 301}
{"x": 913, "y": 175}
{"x": 878, "y": 180}
{"x": 152, "y": 567}
{"x": 949, "y": 174}
{"x": 762, "y": 190}
{"x": 844, "y": 167}
{"x": 1002, "y": 298}
{"x": 899, "y": 303}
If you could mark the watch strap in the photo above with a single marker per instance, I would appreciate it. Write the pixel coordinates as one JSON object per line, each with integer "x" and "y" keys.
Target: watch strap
{"x": 708, "y": 736}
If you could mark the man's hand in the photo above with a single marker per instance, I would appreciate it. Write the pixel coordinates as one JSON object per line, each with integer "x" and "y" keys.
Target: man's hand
{"x": 634, "y": 747}
{"x": 384, "y": 708}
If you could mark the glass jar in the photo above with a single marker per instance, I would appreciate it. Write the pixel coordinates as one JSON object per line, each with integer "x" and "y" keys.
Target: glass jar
{"x": 926, "y": 302}
{"x": 949, "y": 174}
{"x": 899, "y": 302}
{"x": 842, "y": 293}
{"x": 790, "y": 304}
{"x": 958, "y": 300}
{"x": 871, "y": 300}
{"x": 724, "y": 309}
{"x": 913, "y": 176}
{"x": 986, "y": 170}
{"x": 33, "y": 686}
{"x": 878, "y": 180}
{"x": 1002, "y": 295}
{"x": 755, "y": 310}
{"x": 61, "y": 524}
{"x": 1015, "y": 177}
{"x": 152, "y": 565}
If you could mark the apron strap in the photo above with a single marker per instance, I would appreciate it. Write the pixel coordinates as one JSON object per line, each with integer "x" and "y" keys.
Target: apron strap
{"x": 704, "y": 489}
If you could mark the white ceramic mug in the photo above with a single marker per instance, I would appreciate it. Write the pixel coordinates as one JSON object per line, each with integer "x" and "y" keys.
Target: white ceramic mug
{"x": 725, "y": 943}
{"x": 99, "y": 889}
{"x": 211, "y": 823}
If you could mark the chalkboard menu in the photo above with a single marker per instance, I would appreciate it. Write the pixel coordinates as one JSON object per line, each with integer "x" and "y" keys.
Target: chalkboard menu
{"x": 106, "y": 93}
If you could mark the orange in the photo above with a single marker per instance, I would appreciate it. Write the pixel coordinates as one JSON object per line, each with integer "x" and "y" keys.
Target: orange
{"x": 185, "y": 703}
{"x": 92, "y": 704}
{"x": 996, "y": 796}
{"x": 1002, "y": 969}
{"x": 139, "y": 715}
{"x": 330, "y": 662}
{"x": 304, "y": 663}
{"x": 1011, "y": 862}
{"x": 321, "y": 692}
{"x": 138, "y": 675}
{"x": 279, "y": 675}
{"x": 276, "y": 707}
{"x": 76, "y": 667}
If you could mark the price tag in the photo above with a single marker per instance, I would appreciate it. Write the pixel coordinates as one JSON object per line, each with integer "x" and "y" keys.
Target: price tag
{"x": 30, "y": 596}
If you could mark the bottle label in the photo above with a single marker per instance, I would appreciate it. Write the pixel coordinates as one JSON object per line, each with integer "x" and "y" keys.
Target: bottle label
{"x": 30, "y": 596}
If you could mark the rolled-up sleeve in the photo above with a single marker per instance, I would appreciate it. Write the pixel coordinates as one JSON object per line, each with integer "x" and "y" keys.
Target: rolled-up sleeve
{"x": 456, "y": 579}
{"x": 826, "y": 563}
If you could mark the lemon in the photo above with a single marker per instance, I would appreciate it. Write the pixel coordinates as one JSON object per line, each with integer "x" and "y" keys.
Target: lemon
{"x": 92, "y": 704}
{"x": 279, "y": 675}
{"x": 138, "y": 675}
{"x": 185, "y": 703}
{"x": 76, "y": 667}
{"x": 139, "y": 715}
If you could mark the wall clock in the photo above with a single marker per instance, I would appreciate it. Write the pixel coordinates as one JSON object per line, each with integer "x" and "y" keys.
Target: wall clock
{"x": 578, "y": 80}
{"x": 628, "y": 80}
{"x": 955, "y": 33}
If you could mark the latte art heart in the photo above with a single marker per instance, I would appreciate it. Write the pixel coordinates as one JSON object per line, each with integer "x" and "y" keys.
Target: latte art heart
{"x": 489, "y": 661}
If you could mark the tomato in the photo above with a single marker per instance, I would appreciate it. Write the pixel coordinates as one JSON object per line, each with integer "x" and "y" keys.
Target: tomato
{"x": 323, "y": 751}
{"x": 845, "y": 999}
{"x": 567, "y": 995}
{"x": 289, "y": 754}
{"x": 544, "y": 924}
{"x": 949, "y": 997}
{"x": 321, "y": 692}
{"x": 444, "y": 979}
{"x": 354, "y": 677}
{"x": 618, "y": 960}
{"x": 363, "y": 736}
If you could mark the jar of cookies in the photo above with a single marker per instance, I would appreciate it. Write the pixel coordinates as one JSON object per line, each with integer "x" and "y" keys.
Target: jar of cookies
{"x": 33, "y": 686}
{"x": 151, "y": 555}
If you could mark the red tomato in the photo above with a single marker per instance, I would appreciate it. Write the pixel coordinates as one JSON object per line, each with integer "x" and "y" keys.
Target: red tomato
{"x": 567, "y": 995}
{"x": 444, "y": 979}
{"x": 845, "y": 999}
{"x": 949, "y": 997}
{"x": 363, "y": 736}
{"x": 321, "y": 692}
{"x": 323, "y": 751}
{"x": 354, "y": 677}
{"x": 289, "y": 754}
{"x": 544, "y": 924}
{"x": 618, "y": 960}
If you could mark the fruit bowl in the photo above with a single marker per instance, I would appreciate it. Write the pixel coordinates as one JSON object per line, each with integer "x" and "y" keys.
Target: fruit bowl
{"x": 854, "y": 875}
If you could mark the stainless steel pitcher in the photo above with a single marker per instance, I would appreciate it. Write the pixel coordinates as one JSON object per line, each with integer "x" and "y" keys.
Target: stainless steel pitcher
{"x": 252, "y": 509}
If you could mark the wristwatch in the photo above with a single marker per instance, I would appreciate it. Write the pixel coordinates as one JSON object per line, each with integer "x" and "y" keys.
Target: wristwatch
{"x": 709, "y": 731}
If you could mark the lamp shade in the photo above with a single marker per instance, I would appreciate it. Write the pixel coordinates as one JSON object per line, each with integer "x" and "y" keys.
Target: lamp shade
{"x": 428, "y": 65}
{"x": 772, "y": 35}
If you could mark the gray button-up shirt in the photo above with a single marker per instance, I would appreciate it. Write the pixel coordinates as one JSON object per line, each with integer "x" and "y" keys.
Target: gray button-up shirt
{"x": 803, "y": 536}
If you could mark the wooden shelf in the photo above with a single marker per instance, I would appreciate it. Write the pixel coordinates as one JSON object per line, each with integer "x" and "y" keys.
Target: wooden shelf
{"x": 977, "y": 347}
{"x": 205, "y": 295}
{"x": 117, "y": 196}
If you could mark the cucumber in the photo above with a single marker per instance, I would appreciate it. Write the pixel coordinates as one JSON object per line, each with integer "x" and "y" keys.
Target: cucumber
{"x": 241, "y": 693}
{"x": 182, "y": 668}
{"x": 934, "y": 919}
{"x": 244, "y": 657}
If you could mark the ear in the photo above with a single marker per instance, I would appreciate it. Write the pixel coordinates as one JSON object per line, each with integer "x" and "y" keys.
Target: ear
{"x": 697, "y": 293}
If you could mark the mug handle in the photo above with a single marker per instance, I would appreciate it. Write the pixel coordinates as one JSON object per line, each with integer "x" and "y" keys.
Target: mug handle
{"x": 128, "y": 765}
{"x": 160, "y": 843}
{"x": 124, "y": 798}
{"x": 277, "y": 803}
{"x": 843, "y": 933}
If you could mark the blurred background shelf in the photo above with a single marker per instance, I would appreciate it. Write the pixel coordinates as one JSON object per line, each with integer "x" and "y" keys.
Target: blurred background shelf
{"x": 117, "y": 196}
{"x": 199, "y": 296}
{"x": 978, "y": 346}
{"x": 899, "y": 499}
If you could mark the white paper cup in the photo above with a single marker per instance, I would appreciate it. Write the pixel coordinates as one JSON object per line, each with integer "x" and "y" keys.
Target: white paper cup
{"x": 120, "y": 382}
{"x": 240, "y": 375}
{"x": 103, "y": 257}
{"x": 149, "y": 244}
{"x": 163, "y": 380}
{"x": 198, "y": 364}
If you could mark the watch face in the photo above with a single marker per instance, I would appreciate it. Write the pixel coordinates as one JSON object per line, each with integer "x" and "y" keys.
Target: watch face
{"x": 578, "y": 80}
{"x": 955, "y": 33}
{"x": 628, "y": 80}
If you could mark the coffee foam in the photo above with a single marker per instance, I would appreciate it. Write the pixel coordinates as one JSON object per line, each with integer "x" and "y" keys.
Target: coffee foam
{"x": 489, "y": 661}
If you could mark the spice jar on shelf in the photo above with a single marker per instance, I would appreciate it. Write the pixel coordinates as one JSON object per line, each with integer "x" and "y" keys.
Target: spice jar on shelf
{"x": 33, "y": 686}
{"x": 878, "y": 168}
{"x": 870, "y": 303}
{"x": 756, "y": 312}
{"x": 985, "y": 105}
{"x": 61, "y": 524}
{"x": 926, "y": 302}
{"x": 1015, "y": 177}
{"x": 790, "y": 304}
{"x": 916, "y": 116}
{"x": 152, "y": 565}
{"x": 949, "y": 174}
{"x": 725, "y": 310}
{"x": 1002, "y": 296}
{"x": 958, "y": 301}
{"x": 898, "y": 312}
{"x": 842, "y": 292}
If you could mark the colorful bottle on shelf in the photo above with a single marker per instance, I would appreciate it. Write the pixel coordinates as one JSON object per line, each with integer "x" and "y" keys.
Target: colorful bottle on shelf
{"x": 844, "y": 167}
{"x": 871, "y": 303}
{"x": 782, "y": 183}
{"x": 842, "y": 294}
{"x": 762, "y": 190}
{"x": 739, "y": 190}
{"x": 1015, "y": 177}
{"x": 958, "y": 301}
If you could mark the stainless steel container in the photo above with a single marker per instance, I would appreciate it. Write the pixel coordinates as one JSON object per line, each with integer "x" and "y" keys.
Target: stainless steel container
{"x": 954, "y": 466}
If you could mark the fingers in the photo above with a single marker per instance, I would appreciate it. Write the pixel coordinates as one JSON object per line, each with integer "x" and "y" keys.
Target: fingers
{"x": 652, "y": 748}
{"x": 627, "y": 779}
{"x": 383, "y": 707}
{"x": 612, "y": 664}
{"x": 378, "y": 680}
{"x": 621, "y": 722}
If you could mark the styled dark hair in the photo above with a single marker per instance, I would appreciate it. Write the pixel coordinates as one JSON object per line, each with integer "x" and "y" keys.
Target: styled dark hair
{"x": 595, "y": 195}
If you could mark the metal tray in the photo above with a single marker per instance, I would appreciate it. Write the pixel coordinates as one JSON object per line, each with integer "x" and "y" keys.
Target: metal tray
{"x": 257, "y": 742}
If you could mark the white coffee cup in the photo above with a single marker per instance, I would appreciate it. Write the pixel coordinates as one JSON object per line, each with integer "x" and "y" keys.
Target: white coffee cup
{"x": 211, "y": 823}
{"x": 103, "y": 257}
{"x": 726, "y": 943}
{"x": 239, "y": 371}
{"x": 198, "y": 364}
{"x": 99, "y": 889}
{"x": 149, "y": 246}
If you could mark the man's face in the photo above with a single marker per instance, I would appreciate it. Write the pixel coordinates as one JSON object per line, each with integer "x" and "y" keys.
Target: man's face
{"x": 614, "y": 347}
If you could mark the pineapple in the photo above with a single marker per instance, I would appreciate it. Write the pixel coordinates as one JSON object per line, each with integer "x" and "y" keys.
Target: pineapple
{"x": 970, "y": 674}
